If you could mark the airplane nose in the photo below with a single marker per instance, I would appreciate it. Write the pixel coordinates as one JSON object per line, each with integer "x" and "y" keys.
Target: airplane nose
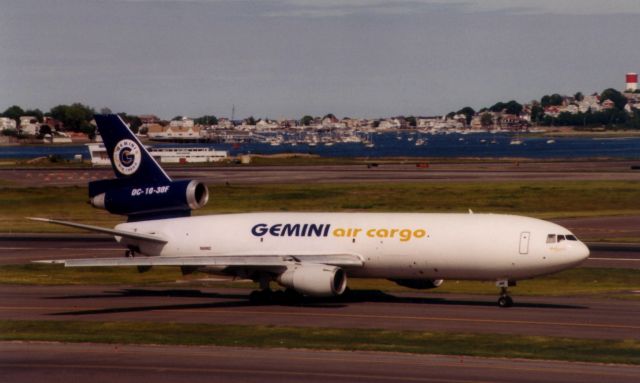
{"x": 580, "y": 252}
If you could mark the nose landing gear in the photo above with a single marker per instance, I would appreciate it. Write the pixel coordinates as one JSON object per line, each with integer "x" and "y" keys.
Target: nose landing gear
{"x": 505, "y": 300}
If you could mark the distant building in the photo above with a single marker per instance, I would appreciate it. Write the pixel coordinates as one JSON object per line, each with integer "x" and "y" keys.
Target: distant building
{"x": 7, "y": 123}
{"x": 53, "y": 124}
{"x": 29, "y": 125}
{"x": 185, "y": 122}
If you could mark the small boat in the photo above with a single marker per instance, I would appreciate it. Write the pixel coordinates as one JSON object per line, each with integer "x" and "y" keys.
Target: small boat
{"x": 551, "y": 141}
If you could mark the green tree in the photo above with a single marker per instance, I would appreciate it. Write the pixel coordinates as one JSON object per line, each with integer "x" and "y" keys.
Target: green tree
{"x": 618, "y": 98}
{"x": 553, "y": 100}
{"x": 206, "y": 120}
{"x": 537, "y": 113}
{"x": 468, "y": 112}
{"x": 306, "y": 120}
{"x": 486, "y": 119}
{"x": 13, "y": 112}
{"x": 75, "y": 117}
{"x": 578, "y": 96}
{"x": 134, "y": 121}
{"x": 37, "y": 113}
{"x": 511, "y": 107}
{"x": 330, "y": 115}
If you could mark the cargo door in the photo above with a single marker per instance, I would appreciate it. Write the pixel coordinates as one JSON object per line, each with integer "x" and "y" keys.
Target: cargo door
{"x": 524, "y": 242}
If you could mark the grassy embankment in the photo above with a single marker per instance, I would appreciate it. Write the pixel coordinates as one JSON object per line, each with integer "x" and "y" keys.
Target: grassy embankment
{"x": 547, "y": 199}
{"x": 487, "y": 345}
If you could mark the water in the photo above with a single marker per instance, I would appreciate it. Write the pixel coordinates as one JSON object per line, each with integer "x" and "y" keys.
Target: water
{"x": 387, "y": 145}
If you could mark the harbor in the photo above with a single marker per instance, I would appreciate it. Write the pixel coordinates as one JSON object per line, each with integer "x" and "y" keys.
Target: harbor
{"x": 392, "y": 144}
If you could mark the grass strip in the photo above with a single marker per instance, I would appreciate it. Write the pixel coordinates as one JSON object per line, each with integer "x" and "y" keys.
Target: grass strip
{"x": 579, "y": 281}
{"x": 419, "y": 342}
{"x": 543, "y": 199}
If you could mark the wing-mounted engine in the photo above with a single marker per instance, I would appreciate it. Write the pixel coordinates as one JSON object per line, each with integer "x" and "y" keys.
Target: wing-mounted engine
{"x": 419, "y": 284}
{"x": 314, "y": 280}
{"x": 148, "y": 200}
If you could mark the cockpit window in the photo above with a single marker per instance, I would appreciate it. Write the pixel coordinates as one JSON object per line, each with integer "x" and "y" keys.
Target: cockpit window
{"x": 551, "y": 238}
{"x": 560, "y": 238}
{"x": 572, "y": 238}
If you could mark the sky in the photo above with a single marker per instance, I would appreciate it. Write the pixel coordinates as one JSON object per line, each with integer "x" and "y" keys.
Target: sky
{"x": 288, "y": 58}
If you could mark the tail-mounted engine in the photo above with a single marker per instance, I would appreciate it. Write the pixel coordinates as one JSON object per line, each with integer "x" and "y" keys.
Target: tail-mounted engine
{"x": 145, "y": 201}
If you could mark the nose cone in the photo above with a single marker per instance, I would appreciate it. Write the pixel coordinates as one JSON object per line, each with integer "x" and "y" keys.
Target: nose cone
{"x": 578, "y": 253}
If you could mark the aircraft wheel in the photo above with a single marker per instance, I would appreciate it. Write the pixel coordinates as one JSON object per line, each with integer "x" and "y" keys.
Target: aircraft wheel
{"x": 505, "y": 301}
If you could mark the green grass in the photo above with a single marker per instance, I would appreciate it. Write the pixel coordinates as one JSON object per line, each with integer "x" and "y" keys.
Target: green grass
{"x": 581, "y": 281}
{"x": 485, "y": 345}
{"x": 549, "y": 199}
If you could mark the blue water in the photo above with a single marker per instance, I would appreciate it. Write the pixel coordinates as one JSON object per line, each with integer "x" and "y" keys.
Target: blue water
{"x": 387, "y": 145}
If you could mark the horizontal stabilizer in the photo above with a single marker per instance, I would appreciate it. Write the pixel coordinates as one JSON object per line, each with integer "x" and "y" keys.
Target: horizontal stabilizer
{"x": 98, "y": 229}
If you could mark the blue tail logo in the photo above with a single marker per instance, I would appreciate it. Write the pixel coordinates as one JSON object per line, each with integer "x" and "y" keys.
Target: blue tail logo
{"x": 127, "y": 157}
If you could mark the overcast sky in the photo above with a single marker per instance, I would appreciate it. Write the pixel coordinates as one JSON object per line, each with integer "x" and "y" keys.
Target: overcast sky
{"x": 287, "y": 58}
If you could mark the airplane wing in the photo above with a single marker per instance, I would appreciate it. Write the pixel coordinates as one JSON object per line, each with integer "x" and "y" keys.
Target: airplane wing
{"x": 251, "y": 261}
{"x": 98, "y": 229}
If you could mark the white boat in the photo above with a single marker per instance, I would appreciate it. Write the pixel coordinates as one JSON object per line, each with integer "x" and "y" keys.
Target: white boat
{"x": 515, "y": 141}
{"x": 167, "y": 155}
{"x": 551, "y": 141}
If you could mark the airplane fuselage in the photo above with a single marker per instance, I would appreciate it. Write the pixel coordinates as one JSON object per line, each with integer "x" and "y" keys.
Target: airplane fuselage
{"x": 391, "y": 245}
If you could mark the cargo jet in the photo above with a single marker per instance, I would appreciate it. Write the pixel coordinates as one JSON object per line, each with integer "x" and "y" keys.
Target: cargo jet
{"x": 310, "y": 254}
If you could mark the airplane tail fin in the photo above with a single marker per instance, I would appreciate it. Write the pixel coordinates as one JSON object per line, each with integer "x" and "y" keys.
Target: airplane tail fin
{"x": 129, "y": 158}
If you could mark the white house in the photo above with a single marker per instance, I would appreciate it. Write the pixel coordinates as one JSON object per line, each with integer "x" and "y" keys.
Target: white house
{"x": 29, "y": 125}
{"x": 7, "y": 123}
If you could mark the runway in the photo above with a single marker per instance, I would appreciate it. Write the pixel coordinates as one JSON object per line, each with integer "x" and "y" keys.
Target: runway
{"x": 575, "y": 317}
{"x": 53, "y": 362}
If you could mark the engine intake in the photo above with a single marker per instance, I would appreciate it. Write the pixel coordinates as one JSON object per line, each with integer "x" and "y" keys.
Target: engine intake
{"x": 315, "y": 280}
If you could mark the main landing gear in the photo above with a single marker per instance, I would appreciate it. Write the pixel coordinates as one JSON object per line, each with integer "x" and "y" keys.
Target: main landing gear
{"x": 505, "y": 300}
{"x": 266, "y": 296}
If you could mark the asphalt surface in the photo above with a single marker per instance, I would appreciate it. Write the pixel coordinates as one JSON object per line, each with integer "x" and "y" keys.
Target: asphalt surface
{"x": 595, "y": 318}
{"x": 53, "y": 362}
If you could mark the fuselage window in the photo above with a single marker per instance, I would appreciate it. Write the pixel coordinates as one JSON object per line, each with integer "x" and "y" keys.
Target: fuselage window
{"x": 551, "y": 238}
{"x": 572, "y": 238}
{"x": 560, "y": 238}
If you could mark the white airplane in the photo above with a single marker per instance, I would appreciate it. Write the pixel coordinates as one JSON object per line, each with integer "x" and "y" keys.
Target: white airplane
{"x": 310, "y": 253}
